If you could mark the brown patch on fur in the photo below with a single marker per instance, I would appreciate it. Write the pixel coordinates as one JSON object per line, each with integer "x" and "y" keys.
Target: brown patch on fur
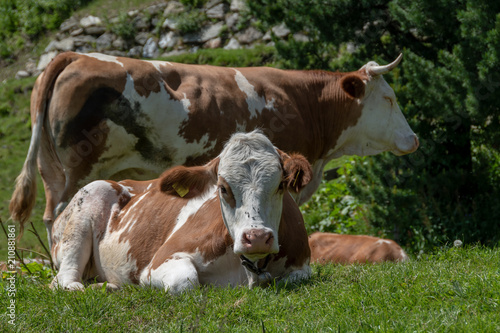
{"x": 203, "y": 231}
{"x": 292, "y": 235}
{"x": 228, "y": 196}
{"x": 195, "y": 179}
{"x": 297, "y": 171}
{"x": 348, "y": 249}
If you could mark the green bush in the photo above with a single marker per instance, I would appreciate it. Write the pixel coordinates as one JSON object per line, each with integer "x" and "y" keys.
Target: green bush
{"x": 190, "y": 21}
{"x": 28, "y": 19}
{"x": 124, "y": 28}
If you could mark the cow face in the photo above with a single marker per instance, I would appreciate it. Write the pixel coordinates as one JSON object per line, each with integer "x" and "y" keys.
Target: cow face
{"x": 381, "y": 126}
{"x": 252, "y": 177}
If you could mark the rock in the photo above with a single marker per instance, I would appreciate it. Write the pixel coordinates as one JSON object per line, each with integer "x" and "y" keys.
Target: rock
{"x": 69, "y": 24}
{"x": 67, "y": 44}
{"x": 119, "y": 44}
{"x": 84, "y": 40}
{"x": 156, "y": 9}
{"x": 76, "y": 32}
{"x": 232, "y": 20}
{"x": 95, "y": 30}
{"x": 45, "y": 60}
{"x": 90, "y": 21}
{"x": 104, "y": 42}
{"x": 22, "y": 75}
{"x": 173, "y": 53}
{"x": 168, "y": 40}
{"x": 238, "y": 5}
{"x": 116, "y": 53}
{"x": 281, "y": 30}
{"x": 173, "y": 8}
{"x": 31, "y": 66}
{"x": 233, "y": 44}
{"x": 301, "y": 38}
{"x": 169, "y": 23}
{"x": 248, "y": 36}
{"x": 150, "y": 50}
{"x": 135, "y": 52}
{"x": 141, "y": 38}
{"x": 141, "y": 23}
{"x": 133, "y": 13}
{"x": 212, "y": 3}
{"x": 205, "y": 34}
{"x": 213, "y": 43}
{"x": 217, "y": 12}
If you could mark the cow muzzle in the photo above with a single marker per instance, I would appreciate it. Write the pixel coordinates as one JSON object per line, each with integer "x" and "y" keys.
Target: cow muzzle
{"x": 406, "y": 145}
{"x": 257, "y": 243}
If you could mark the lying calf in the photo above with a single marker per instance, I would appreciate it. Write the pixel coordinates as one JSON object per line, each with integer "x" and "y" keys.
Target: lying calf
{"x": 230, "y": 222}
{"x": 348, "y": 249}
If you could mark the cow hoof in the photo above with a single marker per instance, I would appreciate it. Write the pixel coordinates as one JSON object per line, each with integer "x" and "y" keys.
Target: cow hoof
{"x": 75, "y": 286}
{"x": 110, "y": 287}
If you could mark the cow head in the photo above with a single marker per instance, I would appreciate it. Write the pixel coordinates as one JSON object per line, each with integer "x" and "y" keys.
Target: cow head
{"x": 251, "y": 176}
{"x": 381, "y": 125}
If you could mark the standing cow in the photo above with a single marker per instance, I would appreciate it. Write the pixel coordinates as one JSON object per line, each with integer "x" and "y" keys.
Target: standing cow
{"x": 230, "y": 222}
{"x": 96, "y": 116}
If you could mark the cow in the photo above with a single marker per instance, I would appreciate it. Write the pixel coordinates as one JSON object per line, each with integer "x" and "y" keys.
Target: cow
{"x": 230, "y": 222}
{"x": 348, "y": 249}
{"x": 97, "y": 116}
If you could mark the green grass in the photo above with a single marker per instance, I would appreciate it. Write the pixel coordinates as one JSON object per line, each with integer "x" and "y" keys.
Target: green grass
{"x": 454, "y": 290}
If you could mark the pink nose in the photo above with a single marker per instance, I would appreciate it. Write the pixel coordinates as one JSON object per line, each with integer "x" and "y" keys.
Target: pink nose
{"x": 257, "y": 241}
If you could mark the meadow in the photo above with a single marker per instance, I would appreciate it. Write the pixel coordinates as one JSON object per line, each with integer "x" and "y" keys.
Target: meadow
{"x": 452, "y": 290}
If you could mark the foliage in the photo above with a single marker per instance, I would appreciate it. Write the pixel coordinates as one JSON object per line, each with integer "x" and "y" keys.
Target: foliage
{"x": 124, "y": 27}
{"x": 448, "y": 290}
{"x": 447, "y": 86}
{"x": 23, "y": 21}
{"x": 258, "y": 56}
{"x": 190, "y": 21}
{"x": 333, "y": 209}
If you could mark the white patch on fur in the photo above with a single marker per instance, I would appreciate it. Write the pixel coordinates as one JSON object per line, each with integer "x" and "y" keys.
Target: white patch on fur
{"x": 383, "y": 241}
{"x": 103, "y": 57}
{"x": 255, "y": 103}
{"x": 191, "y": 207}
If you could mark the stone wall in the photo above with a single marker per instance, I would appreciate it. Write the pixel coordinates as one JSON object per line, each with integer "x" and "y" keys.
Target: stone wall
{"x": 156, "y": 33}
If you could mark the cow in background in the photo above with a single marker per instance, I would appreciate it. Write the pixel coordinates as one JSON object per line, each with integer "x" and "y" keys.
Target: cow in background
{"x": 229, "y": 222}
{"x": 348, "y": 249}
{"x": 96, "y": 116}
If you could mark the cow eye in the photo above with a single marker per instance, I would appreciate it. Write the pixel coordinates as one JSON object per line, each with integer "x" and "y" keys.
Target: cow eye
{"x": 389, "y": 100}
{"x": 281, "y": 186}
{"x": 222, "y": 189}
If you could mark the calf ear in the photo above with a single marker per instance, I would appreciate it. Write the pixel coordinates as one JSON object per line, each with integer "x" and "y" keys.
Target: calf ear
{"x": 297, "y": 171}
{"x": 353, "y": 86}
{"x": 189, "y": 182}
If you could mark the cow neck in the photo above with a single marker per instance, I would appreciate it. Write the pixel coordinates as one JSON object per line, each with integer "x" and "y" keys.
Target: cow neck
{"x": 333, "y": 111}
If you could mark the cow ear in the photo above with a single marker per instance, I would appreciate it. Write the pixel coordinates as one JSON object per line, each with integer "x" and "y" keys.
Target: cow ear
{"x": 297, "y": 171}
{"x": 353, "y": 85}
{"x": 189, "y": 182}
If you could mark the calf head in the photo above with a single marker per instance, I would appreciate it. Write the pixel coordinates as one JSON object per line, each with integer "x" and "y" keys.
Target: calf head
{"x": 381, "y": 125}
{"x": 251, "y": 176}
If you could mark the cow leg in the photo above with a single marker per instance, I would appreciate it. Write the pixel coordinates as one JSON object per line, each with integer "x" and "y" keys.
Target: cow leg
{"x": 175, "y": 276}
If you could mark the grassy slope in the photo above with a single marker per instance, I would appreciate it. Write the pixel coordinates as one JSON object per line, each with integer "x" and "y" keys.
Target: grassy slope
{"x": 454, "y": 290}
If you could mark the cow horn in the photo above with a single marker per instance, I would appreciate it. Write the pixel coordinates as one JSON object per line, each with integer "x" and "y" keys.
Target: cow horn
{"x": 375, "y": 70}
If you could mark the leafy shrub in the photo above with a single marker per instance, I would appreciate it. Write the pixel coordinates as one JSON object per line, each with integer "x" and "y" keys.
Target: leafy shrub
{"x": 190, "y": 21}
{"x": 333, "y": 209}
{"x": 124, "y": 28}
{"x": 29, "y": 19}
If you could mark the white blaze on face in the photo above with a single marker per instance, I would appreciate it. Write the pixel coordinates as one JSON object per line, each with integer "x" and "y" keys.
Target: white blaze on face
{"x": 249, "y": 188}
{"x": 255, "y": 103}
{"x": 381, "y": 127}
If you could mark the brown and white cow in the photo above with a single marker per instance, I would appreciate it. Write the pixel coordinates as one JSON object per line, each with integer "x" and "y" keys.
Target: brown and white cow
{"x": 230, "y": 222}
{"x": 348, "y": 249}
{"x": 96, "y": 116}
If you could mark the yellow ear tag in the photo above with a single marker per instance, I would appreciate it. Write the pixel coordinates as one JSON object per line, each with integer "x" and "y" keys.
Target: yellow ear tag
{"x": 180, "y": 189}
{"x": 296, "y": 177}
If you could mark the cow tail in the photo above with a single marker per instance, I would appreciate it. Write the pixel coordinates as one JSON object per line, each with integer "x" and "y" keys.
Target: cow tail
{"x": 24, "y": 195}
